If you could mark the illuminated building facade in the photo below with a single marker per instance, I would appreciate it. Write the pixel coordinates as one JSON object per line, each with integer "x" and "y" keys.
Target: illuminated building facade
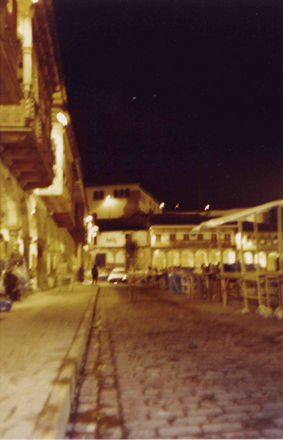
{"x": 42, "y": 199}
{"x": 115, "y": 201}
{"x": 168, "y": 240}
{"x": 174, "y": 243}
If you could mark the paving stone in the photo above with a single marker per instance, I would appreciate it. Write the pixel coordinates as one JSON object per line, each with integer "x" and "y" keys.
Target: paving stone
{"x": 206, "y": 412}
{"x": 278, "y": 422}
{"x": 89, "y": 387}
{"x": 87, "y": 398}
{"x": 231, "y": 417}
{"x": 141, "y": 433}
{"x": 273, "y": 433}
{"x": 86, "y": 406}
{"x": 187, "y": 421}
{"x": 273, "y": 405}
{"x": 243, "y": 408}
{"x": 85, "y": 427}
{"x": 242, "y": 434}
{"x": 110, "y": 432}
{"x": 221, "y": 427}
{"x": 107, "y": 395}
{"x": 82, "y": 435}
{"x": 183, "y": 431}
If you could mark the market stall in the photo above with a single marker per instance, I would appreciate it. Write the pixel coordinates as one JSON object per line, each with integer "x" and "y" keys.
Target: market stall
{"x": 260, "y": 285}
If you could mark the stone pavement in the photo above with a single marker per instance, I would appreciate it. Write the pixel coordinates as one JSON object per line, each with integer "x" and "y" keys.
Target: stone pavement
{"x": 159, "y": 366}
{"x": 42, "y": 343}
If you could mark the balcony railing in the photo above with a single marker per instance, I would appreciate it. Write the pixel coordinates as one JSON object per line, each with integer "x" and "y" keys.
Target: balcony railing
{"x": 193, "y": 243}
{"x": 23, "y": 135}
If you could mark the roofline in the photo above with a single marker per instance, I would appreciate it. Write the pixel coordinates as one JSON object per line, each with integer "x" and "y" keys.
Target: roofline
{"x": 213, "y": 223}
{"x": 188, "y": 225}
{"x": 126, "y": 184}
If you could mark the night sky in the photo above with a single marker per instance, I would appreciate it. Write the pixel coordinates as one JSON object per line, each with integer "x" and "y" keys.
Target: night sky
{"x": 184, "y": 97}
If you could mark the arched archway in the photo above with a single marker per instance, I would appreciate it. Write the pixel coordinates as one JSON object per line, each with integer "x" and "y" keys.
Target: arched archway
{"x": 187, "y": 259}
{"x": 260, "y": 259}
{"x": 159, "y": 259}
{"x": 272, "y": 259}
{"x": 229, "y": 256}
{"x": 214, "y": 256}
{"x": 173, "y": 258}
{"x": 248, "y": 258}
{"x": 201, "y": 258}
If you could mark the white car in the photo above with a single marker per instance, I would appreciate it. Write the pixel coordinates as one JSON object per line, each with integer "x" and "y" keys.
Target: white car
{"x": 118, "y": 275}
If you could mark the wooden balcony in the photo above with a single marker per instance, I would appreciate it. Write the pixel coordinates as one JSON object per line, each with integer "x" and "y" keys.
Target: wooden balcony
{"x": 64, "y": 220}
{"x": 25, "y": 144}
{"x": 193, "y": 244}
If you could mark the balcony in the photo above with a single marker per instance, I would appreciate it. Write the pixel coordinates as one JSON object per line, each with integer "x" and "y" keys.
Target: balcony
{"x": 25, "y": 144}
{"x": 181, "y": 244}
{"x": 64, "y": 220}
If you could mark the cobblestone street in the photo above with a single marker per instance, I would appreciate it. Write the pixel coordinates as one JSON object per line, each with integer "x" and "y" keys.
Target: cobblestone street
{"x": 160, "y": 367}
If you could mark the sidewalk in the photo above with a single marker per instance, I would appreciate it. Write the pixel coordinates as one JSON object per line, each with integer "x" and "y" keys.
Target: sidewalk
{"x": 42, "y": 342}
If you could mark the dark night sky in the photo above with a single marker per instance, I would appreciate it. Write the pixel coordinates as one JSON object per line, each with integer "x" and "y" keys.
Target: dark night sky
{"x": 183, "y": 96}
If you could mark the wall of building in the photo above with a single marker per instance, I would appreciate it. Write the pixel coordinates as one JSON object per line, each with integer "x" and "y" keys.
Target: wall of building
{"x": 39, "y": 194}
{"x": 113, "y": 201}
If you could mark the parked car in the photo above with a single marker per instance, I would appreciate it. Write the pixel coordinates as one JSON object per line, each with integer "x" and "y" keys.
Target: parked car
{"x": 118, "y": 275}
{"x": 103, "y": 274}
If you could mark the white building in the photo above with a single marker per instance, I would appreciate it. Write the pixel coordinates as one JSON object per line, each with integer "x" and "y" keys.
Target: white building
{"x": 114, "y": 201}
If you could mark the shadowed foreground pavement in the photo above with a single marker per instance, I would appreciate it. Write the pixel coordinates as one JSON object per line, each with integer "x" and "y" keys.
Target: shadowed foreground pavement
{"x": 160, "y": 367}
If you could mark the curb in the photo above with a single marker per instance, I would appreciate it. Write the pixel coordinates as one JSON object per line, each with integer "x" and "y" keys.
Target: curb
{"x": 53, "y": 419}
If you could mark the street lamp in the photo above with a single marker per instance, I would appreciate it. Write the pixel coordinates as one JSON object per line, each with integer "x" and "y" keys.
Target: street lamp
{"x": 108, "y": 201}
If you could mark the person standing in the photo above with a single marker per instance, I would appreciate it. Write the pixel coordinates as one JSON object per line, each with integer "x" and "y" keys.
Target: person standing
{"x": 94, "y": 273}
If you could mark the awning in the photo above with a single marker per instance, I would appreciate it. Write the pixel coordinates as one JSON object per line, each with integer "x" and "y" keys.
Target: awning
{"x": 242, "y": 214}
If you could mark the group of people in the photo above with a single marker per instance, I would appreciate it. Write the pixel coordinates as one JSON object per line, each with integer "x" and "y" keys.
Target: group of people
{"x": 13, "y": 277}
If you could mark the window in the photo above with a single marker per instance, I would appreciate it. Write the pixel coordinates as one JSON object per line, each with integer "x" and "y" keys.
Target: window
{"x": 172, "y": 237}
{"x": 214, "y": 237}
{"x": 121, "y": 193}
{"x": 227, "y": 237}
{"x": 186, "y": 237}
{"x": 98, "y": 195}
{"x": 200, "y": 236}
{"x": 158, "y": 237}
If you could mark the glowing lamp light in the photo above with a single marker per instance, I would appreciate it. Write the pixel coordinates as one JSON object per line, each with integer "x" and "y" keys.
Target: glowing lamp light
{"x": 161, "y": 206}
{"x": 34, "y": 1}
{"x": 62, "y": 119}
{"x": 108, "y": 197}
{"x": 207, "y": 207}
{"x": 88, "y": 219}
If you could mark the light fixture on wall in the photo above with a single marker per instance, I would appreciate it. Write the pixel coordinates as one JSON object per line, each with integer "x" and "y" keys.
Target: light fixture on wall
{"x": 61, "y": 117}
